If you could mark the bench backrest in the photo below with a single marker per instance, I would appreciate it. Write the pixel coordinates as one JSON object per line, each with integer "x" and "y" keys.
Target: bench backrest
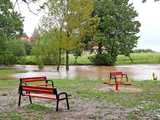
{"x": 116, "y": 73}
{"x": 36, "y": 89}
{"x": 31, "y": 84}
{"x": 32, "y": 79}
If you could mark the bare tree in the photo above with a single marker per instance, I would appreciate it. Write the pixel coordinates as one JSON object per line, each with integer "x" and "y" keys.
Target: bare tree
{"x": 146, "y": 0}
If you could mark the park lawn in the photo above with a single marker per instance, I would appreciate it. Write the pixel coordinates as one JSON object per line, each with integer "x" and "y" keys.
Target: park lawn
{"x": 7, "y": 72}
{"x": 6, "y": 76}
{"x": 88, "y": 88}
{"x": 82, "y": 60}
{"x": 138, "y": 58}
{"x": 146, "y": 101}
{"x": 82, "y": 87}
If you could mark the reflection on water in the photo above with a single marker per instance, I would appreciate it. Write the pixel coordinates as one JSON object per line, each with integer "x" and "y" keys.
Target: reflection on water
{"x": 135, "y": 72}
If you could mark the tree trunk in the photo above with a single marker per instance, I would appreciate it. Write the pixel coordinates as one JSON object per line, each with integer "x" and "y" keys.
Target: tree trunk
{"x": 60, "y": 50}
{"x": 59, "y": 59}
{"x": 67, "y": 60}
{"x": 130, "y": 59}
{"x": 100, "y": 48}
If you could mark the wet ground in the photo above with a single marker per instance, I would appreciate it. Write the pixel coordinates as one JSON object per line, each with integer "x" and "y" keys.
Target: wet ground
{"x": 135, "y": 72}
{"x": 80, "y": 109}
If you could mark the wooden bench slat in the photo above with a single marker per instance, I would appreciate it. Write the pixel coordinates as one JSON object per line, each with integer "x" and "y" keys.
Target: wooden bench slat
{"x": 38, "y": 90}
{"x": 38, "y": 87}
{"x": 43, "y": 85}
{"x": 33, "y": 79}
{"x": 45, "y": 90}
{"x": 49, "y": 96}
{"x": 116, "y": 73}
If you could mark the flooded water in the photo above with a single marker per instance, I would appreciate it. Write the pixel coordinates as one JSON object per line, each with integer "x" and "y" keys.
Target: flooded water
{"x": 135, "y": 72}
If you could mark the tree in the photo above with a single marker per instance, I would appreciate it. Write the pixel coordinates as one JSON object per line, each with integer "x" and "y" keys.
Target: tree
{"x": 45, "y": 48}
{"x": 10, "y": 21}
{"x": 77, "y": 16}
{"x": 11, "y": 27}
{"x": 146, "y": 0}
{"x": 70, "y": 19}
{"x": 14, "y": 50}
{"x": 118, "y": 28}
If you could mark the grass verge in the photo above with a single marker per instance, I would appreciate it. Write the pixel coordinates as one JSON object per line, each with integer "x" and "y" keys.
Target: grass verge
{"x": 138, "y": 58}
{"x": 146, "y": 101}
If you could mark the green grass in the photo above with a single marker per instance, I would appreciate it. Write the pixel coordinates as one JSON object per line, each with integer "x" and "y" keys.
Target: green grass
{"x": 140, "y": 58}
{"x": 5, "y": 75}
{"x": 30, "y": 112}
{"x": 87, "y": 89}
{"x": 7, "y": 72}
{"x": 11, "y": 116}
{"x": 148, "y": 100}
{"x": 82, "y": 60}
{"x": 8, "y": 84}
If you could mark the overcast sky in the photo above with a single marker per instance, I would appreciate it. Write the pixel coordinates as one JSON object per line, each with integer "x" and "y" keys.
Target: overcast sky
{"x": 149, "y": 17}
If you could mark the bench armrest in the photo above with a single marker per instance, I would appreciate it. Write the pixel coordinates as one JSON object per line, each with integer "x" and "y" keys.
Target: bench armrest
{"x": 51, "y": 82}
{"x": 63, "y": 93}
{"x": 124, "y": 74}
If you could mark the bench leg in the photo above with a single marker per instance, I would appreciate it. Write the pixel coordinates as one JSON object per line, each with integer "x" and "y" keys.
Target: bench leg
{"x": 127, "y": 78}
{"x": 67, "y": 102}
{"x": 30, "y": 99}
{"x": 19, "y": 101}
{"x": 57, "y": 105}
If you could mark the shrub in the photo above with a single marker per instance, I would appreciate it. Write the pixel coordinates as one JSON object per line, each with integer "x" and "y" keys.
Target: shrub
{"x": 27, "y": 60}
{"x": 12, "y": 51}
{"x": 102, "y": 59}
{"x": 7, "y": 58}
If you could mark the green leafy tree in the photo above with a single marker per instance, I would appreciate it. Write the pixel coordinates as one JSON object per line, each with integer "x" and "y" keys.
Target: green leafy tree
{"x": 10, "y": 21}
{"x": 118, "y": 28}
{"x": 146, "y": 0}
{"x": 45, "y": 48}
{"x": 14, "y": 50}
{"x": 70, "y": 19}
{"x": 11, "y": 27}
{"x": 78, "y": 23}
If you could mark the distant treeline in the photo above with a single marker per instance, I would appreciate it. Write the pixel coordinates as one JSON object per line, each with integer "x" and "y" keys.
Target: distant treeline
{"x": 143, "y": 51}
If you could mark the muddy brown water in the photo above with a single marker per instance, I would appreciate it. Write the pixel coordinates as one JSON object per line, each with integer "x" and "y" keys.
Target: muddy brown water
{"x": 135, "y": 72}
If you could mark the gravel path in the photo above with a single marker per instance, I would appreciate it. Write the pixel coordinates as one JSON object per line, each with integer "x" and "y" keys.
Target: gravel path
{"x": 81, "y": 109}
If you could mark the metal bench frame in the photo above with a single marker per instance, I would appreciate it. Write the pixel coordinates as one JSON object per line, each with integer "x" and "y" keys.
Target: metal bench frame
{"x": 116, "y": 75}
{"x": 46, "y": 90}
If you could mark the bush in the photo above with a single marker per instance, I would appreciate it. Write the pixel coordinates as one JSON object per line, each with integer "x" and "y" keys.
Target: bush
{"x": 12, "y": 51}
{"x": 7, "y": 58}
{"x": 143, "y": 51}
{"x": 27, "y": 60}
{"x": 102, "y": 59}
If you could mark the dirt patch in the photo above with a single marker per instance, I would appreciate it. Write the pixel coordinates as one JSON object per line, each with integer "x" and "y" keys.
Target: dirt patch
{"x": 121, "y": 88}
{"x": 80, "y": 108}
{"x": 90, "y": 109}
{"x": 8, "y": 78}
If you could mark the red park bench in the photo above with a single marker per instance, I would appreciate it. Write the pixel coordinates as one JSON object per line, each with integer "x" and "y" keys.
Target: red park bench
{"x": 118, "y": 75}
{"x": 46, "y": 90}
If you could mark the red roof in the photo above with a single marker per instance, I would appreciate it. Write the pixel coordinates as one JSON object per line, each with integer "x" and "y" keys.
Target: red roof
{"x": 26, "y": 38}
